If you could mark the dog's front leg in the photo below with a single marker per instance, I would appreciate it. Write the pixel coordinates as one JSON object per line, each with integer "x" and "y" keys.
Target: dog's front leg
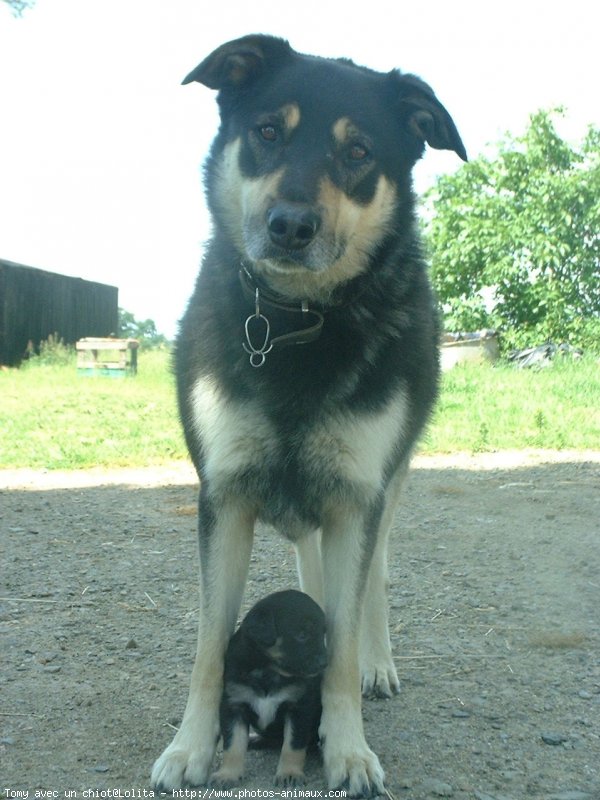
{"x": 309, "y": 564}
{"x": 378, "y": 673}
{"x": 347, "y": 545}
{"x": 225, "y": 535}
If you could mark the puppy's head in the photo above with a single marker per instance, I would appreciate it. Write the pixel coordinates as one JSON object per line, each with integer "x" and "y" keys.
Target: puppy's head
{"x": 311, "y": 169}
{"x": 289, "y": 628}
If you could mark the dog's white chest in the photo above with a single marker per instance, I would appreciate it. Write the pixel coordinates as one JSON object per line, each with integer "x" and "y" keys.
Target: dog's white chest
{"x": 235, "y": 436}
{"x": 264, "y": 706}
{"x": 353, "y": 447}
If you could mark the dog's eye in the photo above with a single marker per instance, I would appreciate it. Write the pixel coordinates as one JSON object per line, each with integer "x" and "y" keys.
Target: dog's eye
{"x": 358, "y": 153}
{"x": 268, "y": 133}
{"x": 302, "y": 637}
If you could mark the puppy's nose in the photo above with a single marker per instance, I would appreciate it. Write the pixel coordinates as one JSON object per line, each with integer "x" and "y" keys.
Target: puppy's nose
{"x": 292, "y": 225}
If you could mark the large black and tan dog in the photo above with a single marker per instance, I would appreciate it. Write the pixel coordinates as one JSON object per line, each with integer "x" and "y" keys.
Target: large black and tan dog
{"x": 307, "y": 365}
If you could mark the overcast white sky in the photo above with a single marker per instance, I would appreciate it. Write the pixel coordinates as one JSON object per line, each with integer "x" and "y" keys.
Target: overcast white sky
{"x": 100, "y": 146}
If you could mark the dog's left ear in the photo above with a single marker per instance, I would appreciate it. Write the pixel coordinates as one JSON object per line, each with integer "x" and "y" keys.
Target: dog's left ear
{"x": 425, "y": 116}
{"x": 239, "y": 62}
{"x": 260, "y": 627}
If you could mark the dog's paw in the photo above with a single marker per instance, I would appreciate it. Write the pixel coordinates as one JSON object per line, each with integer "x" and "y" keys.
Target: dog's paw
{"x": 357, "y": 772}
{"x": 289, "y": 778}
{"x": 225, "y": 778}
{"x": 179, "y": 767}
{"x": 379, "y": 679}
{"x": 290, "y": 770}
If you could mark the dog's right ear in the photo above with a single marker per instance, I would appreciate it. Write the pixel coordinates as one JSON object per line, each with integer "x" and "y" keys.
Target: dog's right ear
{"x": 424, "y": 115}
{"x": 237, "y": 63}
{"x": 259, "y": 626}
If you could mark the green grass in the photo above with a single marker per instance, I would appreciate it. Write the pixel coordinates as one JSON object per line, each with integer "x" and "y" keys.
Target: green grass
{"x": 484, "y": 408}
{"x": 54, "y": 419}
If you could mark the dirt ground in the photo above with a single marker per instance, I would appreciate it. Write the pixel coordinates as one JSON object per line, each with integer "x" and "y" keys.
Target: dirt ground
{"x": 495, "y": 621}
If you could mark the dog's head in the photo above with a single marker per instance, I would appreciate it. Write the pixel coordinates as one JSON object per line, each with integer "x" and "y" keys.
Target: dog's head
{"x": 289, "y": 628}
{"x": 310, "y": 170}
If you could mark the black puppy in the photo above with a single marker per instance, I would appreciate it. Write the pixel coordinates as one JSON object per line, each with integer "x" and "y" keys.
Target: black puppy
{"x": 272, "y": 683}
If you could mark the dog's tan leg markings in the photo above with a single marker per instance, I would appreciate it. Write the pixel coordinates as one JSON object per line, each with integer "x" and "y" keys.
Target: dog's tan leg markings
{"x": 310, "y": 570}
{"x": 232, "y": 767}
{"x": 349, "y": 763}
{"x": 378, "y": 673}
{"x": 290, "y": 770}
{"x": 225, "y": 556}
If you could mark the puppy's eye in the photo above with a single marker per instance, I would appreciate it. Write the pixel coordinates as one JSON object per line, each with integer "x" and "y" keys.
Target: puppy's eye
{"x": 269, "y": 133}
{"x": 358, "y": 153}
{"x": 302, "y": 637}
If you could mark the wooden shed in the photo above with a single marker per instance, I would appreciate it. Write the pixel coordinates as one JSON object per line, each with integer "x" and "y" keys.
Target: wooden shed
{"x": 35, "y": 304}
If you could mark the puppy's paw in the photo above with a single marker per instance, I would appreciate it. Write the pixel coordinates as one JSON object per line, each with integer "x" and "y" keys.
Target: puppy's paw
{"x": 225, "y": 778}
{"x": 289, "y": 778}
{"x": 379, "y": 678}
{"x": 290, "y": 770}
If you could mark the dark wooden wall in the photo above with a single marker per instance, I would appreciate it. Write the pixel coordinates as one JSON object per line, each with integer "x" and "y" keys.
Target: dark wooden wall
{"x": 35, "y": 304}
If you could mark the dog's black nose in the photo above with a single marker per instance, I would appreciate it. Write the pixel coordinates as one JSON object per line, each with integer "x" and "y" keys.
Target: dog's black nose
{"x": 292, "y": 225}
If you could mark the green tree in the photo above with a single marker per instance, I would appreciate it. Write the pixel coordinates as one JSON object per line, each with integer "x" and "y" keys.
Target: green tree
{"x": 18, "y": 6}
{"x": 143, "y": 330}
{"x": 515, "y": 239}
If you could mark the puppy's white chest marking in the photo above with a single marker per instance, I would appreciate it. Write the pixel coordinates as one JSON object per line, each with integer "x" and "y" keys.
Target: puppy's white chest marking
{"x": 264, "y": 706}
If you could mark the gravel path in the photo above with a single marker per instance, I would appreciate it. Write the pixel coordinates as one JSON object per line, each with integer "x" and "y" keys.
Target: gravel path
{"x": 495, "y": 571}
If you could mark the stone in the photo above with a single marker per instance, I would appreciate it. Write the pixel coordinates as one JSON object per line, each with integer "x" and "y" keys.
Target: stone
{"x": 437, "y": 787}
{"x": 554, "y": 739}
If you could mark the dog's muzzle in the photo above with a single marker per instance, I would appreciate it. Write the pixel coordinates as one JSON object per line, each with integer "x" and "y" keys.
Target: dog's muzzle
{"x": 292, "y": 226}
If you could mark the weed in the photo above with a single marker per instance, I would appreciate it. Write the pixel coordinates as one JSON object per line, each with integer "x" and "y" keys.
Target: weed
{"x": 540, "y": 420}
{"x": 482, "y": 441}
{"x": 52, "y": 352}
